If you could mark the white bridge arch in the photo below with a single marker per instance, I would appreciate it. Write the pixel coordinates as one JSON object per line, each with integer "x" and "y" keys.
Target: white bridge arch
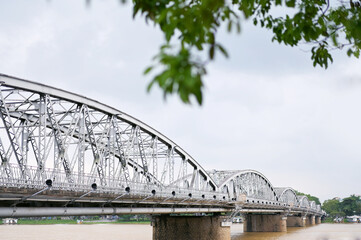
{"x": 51, "y": 139}
{"x": 250, "y": 183}
{"x": 83, "y": 141}
{"x": 288, "y": 196}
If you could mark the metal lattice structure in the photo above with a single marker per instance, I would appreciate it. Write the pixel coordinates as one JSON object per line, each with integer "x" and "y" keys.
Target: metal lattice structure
{"x": 288, "y": 196}
{"x": 249, "y": 183}
{"x": 304, "y": 202}
{"x": 70, "y": 149}
{"x": 75, "y": 141}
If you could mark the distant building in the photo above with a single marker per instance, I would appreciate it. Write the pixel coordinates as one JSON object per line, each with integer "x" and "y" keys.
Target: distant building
{"x": 237, "y": 220}
{"x": 338, "y": 220}
{"x": 354, "y": 219}
{"x": 10, "y": 221}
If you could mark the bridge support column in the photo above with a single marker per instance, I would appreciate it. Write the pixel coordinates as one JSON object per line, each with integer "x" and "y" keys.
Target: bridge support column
{"x": 310, "y": 220}
{"x": 265, "y": 223}
{"x": 167, "y": 227}
{"x": 296, "y": 221}
{"x": 317, "y": 219}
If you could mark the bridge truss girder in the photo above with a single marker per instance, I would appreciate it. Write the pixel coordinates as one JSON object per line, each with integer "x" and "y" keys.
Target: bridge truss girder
{"x": 52, "y": 134}
{"x": 47, "y": 133}
{"x": 247, "y": 183}
{"x": 288, "y": 196}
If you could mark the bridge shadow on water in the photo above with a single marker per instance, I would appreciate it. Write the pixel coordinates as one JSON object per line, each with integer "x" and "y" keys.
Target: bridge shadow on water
{"x": 318, "y": 232}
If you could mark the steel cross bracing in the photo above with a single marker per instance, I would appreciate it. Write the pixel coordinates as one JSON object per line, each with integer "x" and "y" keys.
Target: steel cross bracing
{"x": 85, "y": 147}
{"x": 5, "y": 167}
{"x": 13, "y": 137}
{"x": 81, "y": 144}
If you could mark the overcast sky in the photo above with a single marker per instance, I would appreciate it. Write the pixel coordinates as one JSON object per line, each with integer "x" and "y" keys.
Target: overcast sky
{"x": 266, "y": 108}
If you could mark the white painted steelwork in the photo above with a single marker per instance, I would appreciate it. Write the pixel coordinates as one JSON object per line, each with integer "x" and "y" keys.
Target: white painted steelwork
{"x": 249, "y": 183}
{"x": 81, "y": 211}
{"x": 304, "y": 202}
{"x": 85, "y": 142}
{"x": 54, "y": 141}
{"x": 288, "y": 196}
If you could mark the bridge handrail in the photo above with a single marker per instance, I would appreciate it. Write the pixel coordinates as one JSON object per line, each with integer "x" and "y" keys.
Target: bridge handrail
{"x": 60, "y": 183}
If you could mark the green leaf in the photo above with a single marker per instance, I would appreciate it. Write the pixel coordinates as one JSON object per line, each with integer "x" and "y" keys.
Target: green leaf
{"x": 238, "y": 27}
{"x": 349, "y": 52}
{"x": 357, "y": 53}
{"x": 150, "y": 85}
{"x": 224, "y": 51}
{"x": 211, "y": 52}
{"x": 230, "y": 24}
{"x": 255, "y": 21}
{"x": 147, "y": 70}
{"x": 290, "y": 3}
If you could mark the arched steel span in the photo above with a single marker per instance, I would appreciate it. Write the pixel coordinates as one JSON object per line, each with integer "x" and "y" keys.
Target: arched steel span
{"x": 60, "y": 140}
{"x": 87, "y": 141}
{"x": 288, "y": 196}
{"x": 313, "y": 205}
{"x": 303, "y": 201}
{"x": 249, "y": 183}
{"x": 256, "y": 188}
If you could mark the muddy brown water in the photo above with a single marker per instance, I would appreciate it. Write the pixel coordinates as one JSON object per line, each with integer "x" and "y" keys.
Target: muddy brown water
{"x": 144, "y": 232}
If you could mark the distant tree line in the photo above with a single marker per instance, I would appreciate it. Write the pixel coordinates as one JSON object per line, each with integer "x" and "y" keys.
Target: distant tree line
{"x": 346, "y": 207}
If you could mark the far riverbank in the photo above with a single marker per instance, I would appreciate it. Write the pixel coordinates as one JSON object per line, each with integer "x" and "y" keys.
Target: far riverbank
{"x": 71, "y": 221}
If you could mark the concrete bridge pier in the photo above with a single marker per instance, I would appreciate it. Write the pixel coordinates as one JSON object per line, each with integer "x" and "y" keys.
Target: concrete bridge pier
{"x": 265, "y": 223}
{"x": 296, "y": 221}
{"x": 166, "y": 227}
{"x": 310, "y": 220}
{"x": 317, "y": 219}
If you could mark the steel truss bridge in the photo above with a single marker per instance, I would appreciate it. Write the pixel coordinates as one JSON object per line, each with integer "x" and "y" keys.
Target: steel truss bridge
{"x": 66, "y": 154}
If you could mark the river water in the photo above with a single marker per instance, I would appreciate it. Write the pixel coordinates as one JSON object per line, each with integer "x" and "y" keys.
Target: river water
{"x": 325, "y": 231}
{"x": 144, "y": 232}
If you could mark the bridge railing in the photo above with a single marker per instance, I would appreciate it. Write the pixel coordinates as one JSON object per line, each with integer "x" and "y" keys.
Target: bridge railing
{"x": 35, "y": 179}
